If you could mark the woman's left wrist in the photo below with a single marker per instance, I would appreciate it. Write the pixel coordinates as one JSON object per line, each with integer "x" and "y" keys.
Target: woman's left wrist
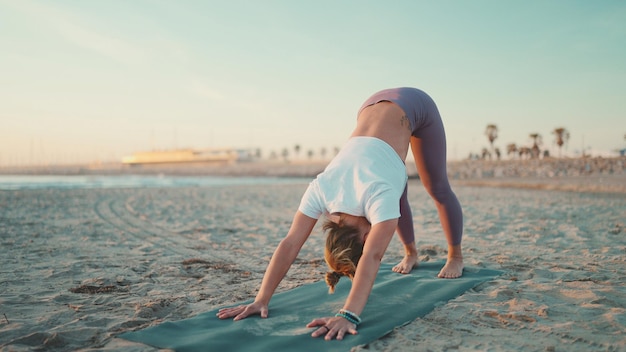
{"x": 349, "y": 316}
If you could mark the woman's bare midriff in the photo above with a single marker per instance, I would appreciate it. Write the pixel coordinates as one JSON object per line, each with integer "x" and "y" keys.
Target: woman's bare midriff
{"x": 385, "y": 121}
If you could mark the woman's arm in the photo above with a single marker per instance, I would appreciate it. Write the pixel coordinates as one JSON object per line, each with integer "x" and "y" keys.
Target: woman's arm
{"x": 281, "y": 261}
{"x": 284, "y": 256}
{"x": 377, "y": 241}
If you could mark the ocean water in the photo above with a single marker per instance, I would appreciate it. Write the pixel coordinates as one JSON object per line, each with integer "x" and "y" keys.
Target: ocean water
{"x": 25, "y": 182}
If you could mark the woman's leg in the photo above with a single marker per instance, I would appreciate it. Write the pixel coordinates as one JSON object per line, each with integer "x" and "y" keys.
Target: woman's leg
{"x": 407, "y": 236}
{"x": 429, "y": 151}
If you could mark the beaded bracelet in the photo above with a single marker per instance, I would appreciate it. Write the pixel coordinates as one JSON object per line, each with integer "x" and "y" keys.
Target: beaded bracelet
{"x": 349, "y": 316}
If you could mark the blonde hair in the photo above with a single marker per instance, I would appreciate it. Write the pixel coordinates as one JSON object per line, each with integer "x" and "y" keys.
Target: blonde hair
{"x": 343, "y": 251}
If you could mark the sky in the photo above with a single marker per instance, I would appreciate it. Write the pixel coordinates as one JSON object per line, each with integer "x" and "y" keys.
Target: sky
{"x": 93, "y": 81}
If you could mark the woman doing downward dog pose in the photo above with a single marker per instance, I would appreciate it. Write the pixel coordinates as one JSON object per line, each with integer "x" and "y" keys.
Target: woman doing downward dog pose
{"x": 363, "y": 193}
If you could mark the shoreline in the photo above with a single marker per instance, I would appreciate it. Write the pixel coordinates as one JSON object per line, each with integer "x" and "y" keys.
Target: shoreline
{"x": 595, "y": 175}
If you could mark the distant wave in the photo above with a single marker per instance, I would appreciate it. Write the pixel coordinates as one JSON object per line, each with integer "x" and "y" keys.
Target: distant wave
{"x": 98, "y": 182}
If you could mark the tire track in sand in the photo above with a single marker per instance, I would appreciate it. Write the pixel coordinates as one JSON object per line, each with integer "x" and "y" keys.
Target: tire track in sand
{"x": 116, "y": 211}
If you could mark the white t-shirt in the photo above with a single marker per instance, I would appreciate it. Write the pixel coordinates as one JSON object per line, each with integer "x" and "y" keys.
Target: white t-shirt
{"x": 366, "y": 178}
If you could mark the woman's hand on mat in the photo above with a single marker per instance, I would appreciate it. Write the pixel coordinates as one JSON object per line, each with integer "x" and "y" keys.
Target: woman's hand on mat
{"x": 244, "y": 311}
{"x": 332, "y": 328}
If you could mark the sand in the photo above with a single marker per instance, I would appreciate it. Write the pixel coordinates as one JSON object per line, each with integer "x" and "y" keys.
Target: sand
{"x": 80, "y": 266}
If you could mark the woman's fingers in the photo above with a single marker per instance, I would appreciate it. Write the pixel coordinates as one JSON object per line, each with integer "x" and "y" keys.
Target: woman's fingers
{"x": 226, "y": 313}
{"x": 247, "y": 310}
{"x": 242, "y": 312}
{"x": 264, "y": 312}
{"x": 340, "y": 333}
{"x": 331, "y": 328}
{"x": 317, "y": 322}
{"x": 352, "y": 331}
{"x": 321, "y": 331}
{"x": 321, "y": 323}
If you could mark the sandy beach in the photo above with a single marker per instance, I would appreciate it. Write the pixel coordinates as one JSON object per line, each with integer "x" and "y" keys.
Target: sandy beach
{"x": 80, "y": 266}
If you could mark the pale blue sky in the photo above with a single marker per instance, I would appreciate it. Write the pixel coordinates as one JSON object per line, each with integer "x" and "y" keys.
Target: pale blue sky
{"x": 96, "y": 80}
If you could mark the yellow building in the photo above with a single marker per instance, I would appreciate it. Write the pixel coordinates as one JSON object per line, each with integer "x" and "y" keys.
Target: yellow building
{"x": 180, "y": 156}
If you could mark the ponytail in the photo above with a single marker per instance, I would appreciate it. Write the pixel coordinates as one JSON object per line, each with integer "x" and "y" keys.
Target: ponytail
{"x": 332, "y": 278}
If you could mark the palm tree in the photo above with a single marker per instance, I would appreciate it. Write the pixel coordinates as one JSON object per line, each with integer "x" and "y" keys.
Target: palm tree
{"x": 524, "y": 151}
{"x": 562, "y": 136}
{"x": 535, "y": 151}
{"x": 285, "y": 154}
{"x": 323, "y": 152}
{"x": 511, "y": 149}
{"x": 296, "y": 148}
{"x": 486, "y": 154}
{"x": 492, "y": 133}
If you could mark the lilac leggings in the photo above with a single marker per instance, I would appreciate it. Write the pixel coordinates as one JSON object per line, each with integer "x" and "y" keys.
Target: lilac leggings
{"x": 428, "y": 143}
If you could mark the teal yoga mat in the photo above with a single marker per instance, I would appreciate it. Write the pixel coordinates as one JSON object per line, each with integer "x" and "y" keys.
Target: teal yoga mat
{"x": 395, "y": 301}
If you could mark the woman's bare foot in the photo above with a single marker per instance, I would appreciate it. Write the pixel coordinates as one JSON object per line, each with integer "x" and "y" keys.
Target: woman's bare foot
{"x": 408, "y": 263}
{"x": 410, "y": 259}
{"x": 453, "y": 268}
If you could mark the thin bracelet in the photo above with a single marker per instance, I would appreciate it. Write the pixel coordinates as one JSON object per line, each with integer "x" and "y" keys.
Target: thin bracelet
{"x": 352, "y": 314}
{"x": 349, "y": 316}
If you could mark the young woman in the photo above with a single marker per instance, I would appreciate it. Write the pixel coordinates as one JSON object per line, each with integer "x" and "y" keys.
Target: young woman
{"x": 363, "y": 193}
